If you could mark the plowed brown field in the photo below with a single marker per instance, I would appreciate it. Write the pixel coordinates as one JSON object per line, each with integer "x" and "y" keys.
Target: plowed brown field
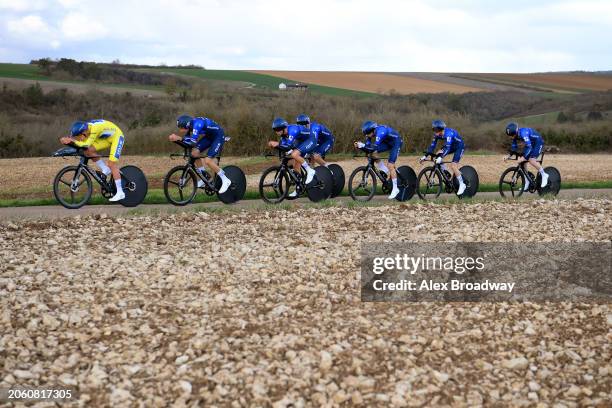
{"x": 371, "y": 81}
{"x": 576, "y": 82}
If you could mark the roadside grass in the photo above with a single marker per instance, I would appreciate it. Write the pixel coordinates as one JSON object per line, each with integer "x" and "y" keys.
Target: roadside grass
{"x": 156, "y": 196}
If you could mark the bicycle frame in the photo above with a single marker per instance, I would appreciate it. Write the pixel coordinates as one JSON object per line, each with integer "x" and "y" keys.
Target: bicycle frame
{"x": 84, "y": 166}
{"x": 286, "y": 168}
{"x": 448, "y": 181}
{"x": 521, "y": 166}
{"x": 190, "y": 160}
{"x": 371, "y": 166}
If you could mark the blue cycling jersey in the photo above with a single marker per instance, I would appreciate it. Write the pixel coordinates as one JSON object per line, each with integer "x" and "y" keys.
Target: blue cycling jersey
{"x": 296, "y": 134}
{"x": 452, "y": 140}
{"x": 203, "y": 127}
{"x": 531, "y": 138}
{"x": 382, "y": 135}
{"x": 321, "y": 133}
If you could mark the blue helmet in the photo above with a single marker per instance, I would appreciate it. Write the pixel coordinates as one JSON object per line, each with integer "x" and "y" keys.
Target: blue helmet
{"x": 368, "y": 127}
{"x": 78, "y": 128}
{"x": 184, "y": 121}
{"x": 302, "y": 119}
{"x": 438, "y": 125}
{"x": 512, "y": 128}
{"x": 279, "y": 123}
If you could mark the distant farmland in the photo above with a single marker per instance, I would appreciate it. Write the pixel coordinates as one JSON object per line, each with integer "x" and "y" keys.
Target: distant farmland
{"x": 408, "y": 83}
{"x": 351, "y": 83}
{"x": 376, "y": 82}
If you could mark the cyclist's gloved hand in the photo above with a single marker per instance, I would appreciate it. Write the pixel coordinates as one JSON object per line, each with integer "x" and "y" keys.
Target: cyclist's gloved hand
{"x": 438, "y": 159}
{"x": 360, "y": 145}
{"x": 422, "y": 159}
{"x": 508, "y": 157}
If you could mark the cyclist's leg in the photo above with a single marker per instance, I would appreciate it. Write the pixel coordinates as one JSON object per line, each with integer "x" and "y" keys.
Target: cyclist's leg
{"x": 458, "y": 153}
{"x": 533, "y": 160}
{"x": 320, "y": 151}
{"x": 116, "y": 147}
{"x": 393, "y": 155}
{"x": 307, "y": 146}
{"x": 92, "y": 151}
{"x": 200, "y": 147}
{"x": 383, "y": 147}
{"x": 213, "y": 151}
{"x": 535, "y": 153}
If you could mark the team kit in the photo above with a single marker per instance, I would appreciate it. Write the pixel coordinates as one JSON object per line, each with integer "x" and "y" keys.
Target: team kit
{"x": 302, "y": 144}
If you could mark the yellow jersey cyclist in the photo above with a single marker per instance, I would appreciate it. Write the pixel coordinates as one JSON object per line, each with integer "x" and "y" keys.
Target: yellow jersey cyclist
{"x": 96, "y": 135}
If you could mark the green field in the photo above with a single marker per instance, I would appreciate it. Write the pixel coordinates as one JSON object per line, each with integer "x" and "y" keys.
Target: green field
{"x": 259, "y": 80}
{"x": 21, "y": 71}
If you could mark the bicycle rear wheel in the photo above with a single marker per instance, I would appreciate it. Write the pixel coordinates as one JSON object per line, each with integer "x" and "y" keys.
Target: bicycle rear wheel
{"x": 321, "y": 186}
{"x": 135, "y": 186}
{"x": 72, "y": 187}
{"x": 511, "y": 183}
{"x": 362, "y": 184}
{"x": 236, "y": 190}
{"x": 430, "y": 183}
{"x": 339, "y": 179}
{"x": 470, "y": 178}
{"x": 180, "y": 185}
{"x": 554, "y": 182}
{"x": 406, "y": 182}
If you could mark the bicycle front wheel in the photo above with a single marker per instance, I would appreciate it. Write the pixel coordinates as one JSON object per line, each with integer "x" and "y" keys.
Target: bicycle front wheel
{"x": 72, "y": 187}
{"x": 430, "y": 184}
{"x": 180, "y": 185}
{"x": 511, "y": 183}
{"x": 362, "y": 184}
{"x": 274, "y": 185}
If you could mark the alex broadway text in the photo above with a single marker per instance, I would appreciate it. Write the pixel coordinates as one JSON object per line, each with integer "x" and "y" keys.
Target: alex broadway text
{"x": 453, "y": 285}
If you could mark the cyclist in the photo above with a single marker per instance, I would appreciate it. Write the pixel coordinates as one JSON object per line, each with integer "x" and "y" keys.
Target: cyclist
{"x": 453, "y": 144}
{"x": 203, "y": 133}
{"x": 95, "y": 135}
{"x": 296, "y": 140}
{"x": 385, "y": 138}
{"x": 534, "y": 143}
{"x": 324, "y": 137}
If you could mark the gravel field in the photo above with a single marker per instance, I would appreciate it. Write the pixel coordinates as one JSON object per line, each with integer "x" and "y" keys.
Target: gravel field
{"x": 33, "y": 177}
{"x": 262, "y": 308}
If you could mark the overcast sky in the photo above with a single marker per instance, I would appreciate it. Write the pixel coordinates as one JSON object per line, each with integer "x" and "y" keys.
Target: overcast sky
{"x": 356, "y": 35}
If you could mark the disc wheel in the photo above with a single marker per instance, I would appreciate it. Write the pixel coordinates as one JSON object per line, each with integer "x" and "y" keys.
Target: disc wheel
{"x": 511, "y": 183}
{"x": 470, "y": 178}
{"x": 236, "y": 190}
{"x": 321, "y": 186}
{"x": 554, "y": 182}
{"x": 362, "y": 184}
{"x": 135, "y": 186}
{"x": 339, "y": 179}
{"x": 430, "y": 183}
{"x": 406, "y": 182}
{"x": 180, "y": 185}
{"x": 72, "y": 187}
{"x": 273, "y": 185}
